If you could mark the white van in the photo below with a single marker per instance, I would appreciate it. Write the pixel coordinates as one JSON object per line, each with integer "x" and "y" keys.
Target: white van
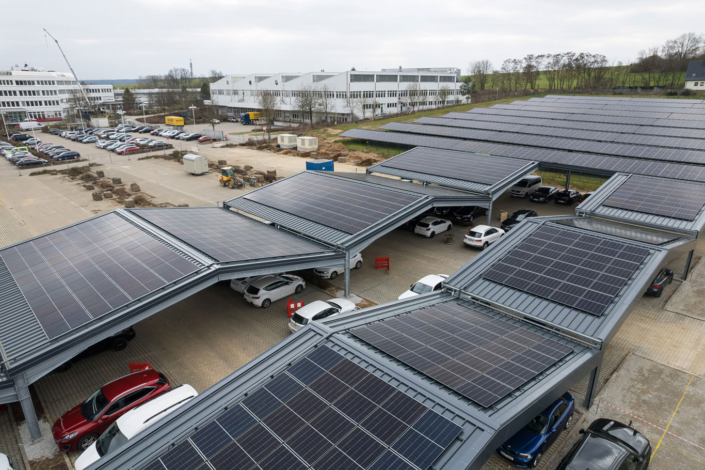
{"x": 526, "y": 186}
{"x": 134, "y": 421}
{"x": 28, "y": 126}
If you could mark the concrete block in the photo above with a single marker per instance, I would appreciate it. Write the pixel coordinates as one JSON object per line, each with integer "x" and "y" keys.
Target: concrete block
{"x": 134, "y": 187}
{"x": 89, "y": 187}
{"x": 117, "y": 180}
{"x": 342, "y": 159}
{"x": 100, "y": 174}
{"x": 129, "y": 203}
{"x": 97, "y": 196}
{"x": 222, "y": 162}
{"x": 107, "y": 194}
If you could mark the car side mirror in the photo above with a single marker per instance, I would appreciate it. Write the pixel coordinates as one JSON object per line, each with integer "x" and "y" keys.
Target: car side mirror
{"x": 553, "y": 430}
{"x": 582, "y": 431}
{"x": 640, "y": 459}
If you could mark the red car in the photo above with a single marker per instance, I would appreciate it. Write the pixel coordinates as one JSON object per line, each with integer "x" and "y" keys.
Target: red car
{"x": 205, "y": 138}
{"x": 79, "y": 427}
{"x": 128, "y": 150}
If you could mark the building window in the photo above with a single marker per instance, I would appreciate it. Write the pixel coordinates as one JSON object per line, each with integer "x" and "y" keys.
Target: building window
{"x": 381, "y": 94}
{"x": 368, "y": 94}
{"x": 392, "y": 93}
{"x": 429, "y": 78}
{"x": 356, "y": 77}
{"x": 387, "y": 78}
{"x": 447, "y": 78}
{"x": 409, "y": 78}
{"x": 341, "y": 95}
{"x": 355, "y": 94}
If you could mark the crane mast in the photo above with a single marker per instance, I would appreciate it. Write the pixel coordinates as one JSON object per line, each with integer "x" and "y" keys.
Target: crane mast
{"x": 83, "y": 92}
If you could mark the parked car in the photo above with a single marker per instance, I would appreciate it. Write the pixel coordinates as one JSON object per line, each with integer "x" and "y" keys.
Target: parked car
{"x": 430, "y": 283}
{"x": 526, "y": 186}
{"x": 268, "y": 289}
{"x": 142, "y": 141}
{"x": 5, "y": 462}
{"x": 104, "y": 144}
{"x": 79, "y": 427}
{"x": 516, "y": 217}
{"x": 215, "y": 121}
{"x": 662, "y": 279}
{"x": 55, "y": 131}
{"x": 411, "y": 224}
{"x": 116, "y": 342}
{"x": 90, "y": 140}
{"x": 333, "y": 272}
{"x": 319, "y": 310}
{"x": 58, "y": 152}
{"x": 469, "y": 213}
{"x": 567, "y": 197}
{"x": 206, "y": 138}
{"x": 481, "y": 236}
{"x": 30, "y": 161}
{"x": 607, "y": 445}
{"x": 17, "y": 156}
{"x": 145, "y": 130}
{"x": 157, "y": 143}
{"x": 444, "y": 211}
{"x": 129, "y": 148}
{"x": 32, "y": 141}
{"x": 193, "y": 137}
{"x": 525, "y": 448}
{"x": 131, "y": 423}
{"x": 20, "y": 137}
{"x": 240, "y": 285}
{"x": 155, "y": 132}
{"x": 543, "y": 194}
{"x": 586, "y": 195}
{"x": 430, "y": 226}
{"x": 70, "y": 155}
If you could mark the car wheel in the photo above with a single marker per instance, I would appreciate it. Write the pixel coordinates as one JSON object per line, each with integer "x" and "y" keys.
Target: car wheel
{"x": 119, "y": 344}
{"x": 433, "y": 234}
{"x": 537, "y": 460}
{"x": 222, "y": 183}
{"x": 334, "y": 274}
{"x": 485, "y": 245}
{"x": 87, "y": 441}
{"x": 449, "y": 227}
{"x": 266, "y": 303}
{"x": 568, "y": 421}
{"x": 299, "y": 289}
{"x": 358, "y": 265}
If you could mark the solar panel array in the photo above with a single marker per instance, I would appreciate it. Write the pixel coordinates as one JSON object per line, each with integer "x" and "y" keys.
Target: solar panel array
{"x": 323, "y": 412}
{"x": 619, "y": 99}
{"x": 581, "y": 125}
{"x": 580, "y": 271}
{"x": 578, "y": 134}
{"x": 566, "y": 108}
{"x": 664, "y": 108}
{"x": 80, "y": 273}
{"x": 637, "y": 234}
{"x": 480, "y": 357}
{"x": 659, "y": 197}
{"x": 226, "y": 236}
{"x": 646, "y": 102}
{"x": 456, "y": 165}
{"x": 581, "y": 161}
{"x": 557, "y": 143}
{"x": 341, "y": 204}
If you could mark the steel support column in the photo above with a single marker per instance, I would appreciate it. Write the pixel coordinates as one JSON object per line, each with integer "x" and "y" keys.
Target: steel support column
{"x": 347, "y": 274}
{"x": 30, "y": 415}
{"x": 592, "y": 386}
{"x": 567, "y": 180}
{"x": 687, "y": 264}
{"x": 489, "y": 215}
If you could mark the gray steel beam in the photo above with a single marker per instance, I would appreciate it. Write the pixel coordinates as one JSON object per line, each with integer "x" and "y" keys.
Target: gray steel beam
{"x": 567, "y": 180}
{"x": 687, "y": 264}
{"x": 592, "y": 386}
{"x": 30, "y": 415}
{"x": 347, "y": 274}
{"x": 489, "y": 215}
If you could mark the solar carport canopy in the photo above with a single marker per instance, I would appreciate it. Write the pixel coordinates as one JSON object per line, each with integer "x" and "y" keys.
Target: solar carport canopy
{"x": 547, "y": 158}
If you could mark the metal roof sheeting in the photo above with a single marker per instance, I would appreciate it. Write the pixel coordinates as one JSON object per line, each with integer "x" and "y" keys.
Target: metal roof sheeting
{"x": 428, "y": 190}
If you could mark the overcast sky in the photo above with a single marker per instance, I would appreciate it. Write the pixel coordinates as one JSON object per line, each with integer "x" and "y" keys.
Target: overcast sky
{"x": 129, "y": 38}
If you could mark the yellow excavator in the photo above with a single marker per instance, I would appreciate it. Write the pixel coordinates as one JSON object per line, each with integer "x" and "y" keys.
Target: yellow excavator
{"x": 227, "y": 178}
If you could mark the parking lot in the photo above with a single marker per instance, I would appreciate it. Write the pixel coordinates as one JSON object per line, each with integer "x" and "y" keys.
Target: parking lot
{"x": 203, "y": 338}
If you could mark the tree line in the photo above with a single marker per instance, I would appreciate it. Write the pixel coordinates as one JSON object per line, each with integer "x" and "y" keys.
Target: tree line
{"x": 661, "y": 66}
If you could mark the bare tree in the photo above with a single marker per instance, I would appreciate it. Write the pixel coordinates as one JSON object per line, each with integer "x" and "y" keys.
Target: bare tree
{"x": 413, "y": 90}
{"x": 326, "y": 103}
{"x": 269, "y": 104}
{"x": 443, "y": 94}
{"x": 480, "y": 71}
{"x": 307, "y": 100}
{"x": 216, "y": 75}
{"x": 361, "y": 102}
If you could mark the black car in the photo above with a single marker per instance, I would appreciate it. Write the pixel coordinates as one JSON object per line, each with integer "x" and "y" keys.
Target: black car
{"x": 20, "y": 137}
{"x": 30, "y": 161}
{"x": 662, "y": 279}
{"x": 193, "y": 137}
{"x": 411, "y": 225}
{"x": 55, "y": 131}
{"x": 117, "y": 342}
{"x": 70, "y": 155}
{"x": 608, "y": 445}
{"x": 516, "y": 217}
{"x": 444, "y": 211}
{"x": 567, "y": 197}
{"x": 469, "y": 213}
{"x": 543, "y": 194}
{"x": 144, "y": 130}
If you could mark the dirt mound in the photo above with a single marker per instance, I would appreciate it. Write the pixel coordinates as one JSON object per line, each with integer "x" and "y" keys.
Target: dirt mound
{"x": 333, "y": 131}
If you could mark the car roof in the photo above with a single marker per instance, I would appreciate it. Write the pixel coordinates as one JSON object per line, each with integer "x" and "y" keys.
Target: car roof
{"x": 523, "y": 211}
{"x": 480, "y": 228}
{"x": 120, "y": 386}
{"x": 144, "y": 415}
{"x": 431, "y": 279}
{"x": 266, "y": 280}
{"x": 430, "y": 219}
{"x": 597, "y": 453}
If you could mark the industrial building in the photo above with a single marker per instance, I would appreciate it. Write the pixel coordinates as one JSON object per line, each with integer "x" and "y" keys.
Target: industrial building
{"x": 44, "y": 96}
{"x": 340, "y": 96}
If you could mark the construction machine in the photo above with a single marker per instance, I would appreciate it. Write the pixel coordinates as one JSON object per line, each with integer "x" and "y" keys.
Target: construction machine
{"x": 227, "y": 178}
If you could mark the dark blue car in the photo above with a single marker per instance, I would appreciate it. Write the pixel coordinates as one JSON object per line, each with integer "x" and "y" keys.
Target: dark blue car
{"x": 68, "y": 156}
{"x": 525, "y": 448}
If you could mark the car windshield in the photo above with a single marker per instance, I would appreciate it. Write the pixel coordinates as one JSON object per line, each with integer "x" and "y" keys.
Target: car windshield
{"x": 92, "y": 407}
{"x": 538, "y": 424}
{"x": 253, "y": 290}
{"x": 544, "y": 190}
{"x": 421, "y": 288}
{"x": 522, "y": 184}
{"x": 337, "y": 307}
{"x": 474, "y": 234}
{"x": 520, "y": 217}
{"x": 298, "y": 319}
{"x": 111, "y": 439}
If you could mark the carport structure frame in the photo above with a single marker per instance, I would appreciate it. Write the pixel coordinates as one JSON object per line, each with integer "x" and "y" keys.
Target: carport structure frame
{"x": 351, "y": 244}
{"x": 26, "y": 354}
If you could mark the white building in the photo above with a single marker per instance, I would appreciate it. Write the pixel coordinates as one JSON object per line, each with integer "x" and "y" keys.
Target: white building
{"x": 32, "y": 93}
{"x": 347, "y": 95}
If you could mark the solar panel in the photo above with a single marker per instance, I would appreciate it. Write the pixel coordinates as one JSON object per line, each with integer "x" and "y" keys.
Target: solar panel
{"x": 580, "y": 271}
{"x": 630, "y": 102}
{"x": 481, "y": 357}
{"x": 322, "y": 412}
{"x": 616, "y": 229}
{"x": 460, "y": 166}
{"x": 227, "y": 236}
{"x": 663, "y": 108}
{"x": 573, "y": 160}
{"x": 667, "y": 198}
{"x": 338, "y": 203}
{"x": 76, "y": 274}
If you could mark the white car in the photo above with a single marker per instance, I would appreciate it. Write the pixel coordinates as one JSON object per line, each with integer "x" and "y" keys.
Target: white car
{"x": 430, "y": 226}
{"x": 482, "y": 236}
{"x": 134, "y": 421}
{"x": 268, "y": 289}
{"x": 215, "y": 121}
{"x": 240, "y": 285}
{"x": 5, "y": 462}
{"x": 319, "y": 310}
{"x": 430, "y": 283}
{"x": 332, "y": 273}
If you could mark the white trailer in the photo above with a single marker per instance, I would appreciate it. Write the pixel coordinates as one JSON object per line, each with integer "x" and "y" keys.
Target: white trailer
{"x": 195, "y": 164}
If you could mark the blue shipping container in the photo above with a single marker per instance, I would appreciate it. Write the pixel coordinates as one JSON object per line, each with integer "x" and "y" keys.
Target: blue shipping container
{"x": 320, "y": 165}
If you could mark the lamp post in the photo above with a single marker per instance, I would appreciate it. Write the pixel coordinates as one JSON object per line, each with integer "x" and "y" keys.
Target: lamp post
{"x": 2, "y": 113}
{"x": 143, "y": 115}
{"x": 193, "y": 109}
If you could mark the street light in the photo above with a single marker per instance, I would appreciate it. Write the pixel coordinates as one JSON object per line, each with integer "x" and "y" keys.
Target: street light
{"x": 193, "y": 109}
{"x": 2, "y": 113}
{"x": 143, "y": 116}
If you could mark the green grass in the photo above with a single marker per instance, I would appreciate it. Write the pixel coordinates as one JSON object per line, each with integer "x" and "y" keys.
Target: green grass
{"x": 382, "y": 151}
{"x": 579, "y": 181}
